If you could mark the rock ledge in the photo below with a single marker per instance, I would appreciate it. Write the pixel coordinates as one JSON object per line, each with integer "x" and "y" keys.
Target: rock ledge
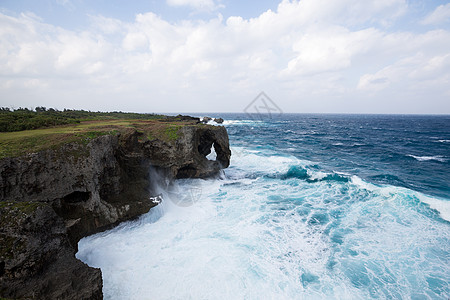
{"x": 51, "y": 199}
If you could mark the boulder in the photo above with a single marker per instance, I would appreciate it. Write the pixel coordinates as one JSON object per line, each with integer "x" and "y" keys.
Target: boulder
{"x": 206, "y": 120}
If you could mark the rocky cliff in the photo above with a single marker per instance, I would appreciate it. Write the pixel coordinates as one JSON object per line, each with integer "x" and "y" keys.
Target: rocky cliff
{"x": 51, "y": 199}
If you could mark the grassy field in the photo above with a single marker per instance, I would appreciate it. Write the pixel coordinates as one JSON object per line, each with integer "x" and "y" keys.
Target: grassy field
{"x": 28, "y": 119}
{"x": 18, "y": 143}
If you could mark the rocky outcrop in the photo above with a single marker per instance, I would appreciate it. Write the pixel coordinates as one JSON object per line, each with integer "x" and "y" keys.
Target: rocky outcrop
{"x": 37, "y": 260}
{"x": 51, "y": 199}
{"x": 181, "y": 118}
{"x": 186, "y": 158}
{"x": 206, "y": 120}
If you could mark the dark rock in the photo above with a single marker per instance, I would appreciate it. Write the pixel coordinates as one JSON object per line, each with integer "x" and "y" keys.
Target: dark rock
{"x": 186, "y": 157}
{"x": 91, "y": 192}
{"x": 218, "y": 120}
{"x": 206, "y": 119}
{"x": 37, "y": 259}
{"x": 181, "y": 118}
{"x": 51, "y": 199}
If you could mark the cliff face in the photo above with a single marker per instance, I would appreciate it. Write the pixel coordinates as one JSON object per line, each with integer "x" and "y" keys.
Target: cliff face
{"x": 51, "y": 199}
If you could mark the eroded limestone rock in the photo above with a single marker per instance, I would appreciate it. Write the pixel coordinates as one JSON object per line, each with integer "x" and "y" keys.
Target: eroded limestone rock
{"x": 51, "y": 199}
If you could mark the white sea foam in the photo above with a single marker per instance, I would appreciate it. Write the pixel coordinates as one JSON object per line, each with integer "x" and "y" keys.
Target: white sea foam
{"x": 361, "y": 184}
{"x": 316, "y": 175}
{"x": 252, "y": 161}
{"x": 242, "y": 122}
{"x": 428, "y": 158}
{"x": 207, "y": 251}
{"x": 265, "y": 238}
{"x": 442, "y": 206}
{"x": 342, "y": 173}
{"x": 212, "y": 122}
{"x": 212, "y": 155}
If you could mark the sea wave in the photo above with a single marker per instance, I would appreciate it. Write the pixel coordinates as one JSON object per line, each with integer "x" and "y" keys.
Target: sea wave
{"x": 442, "y": 206}
{"x": 265, "y": 165}
{"x": 438, "y": 158}
{"x": 313, "y": 176}
{"x": 354, "y": 145}
{"x": 242, "y": 122}
{"x": 276, "y": 227}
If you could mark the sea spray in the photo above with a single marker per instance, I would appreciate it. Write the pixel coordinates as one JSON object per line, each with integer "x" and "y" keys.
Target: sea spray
{"x": 280, "y": 225}
{"x": 276, "y": 237}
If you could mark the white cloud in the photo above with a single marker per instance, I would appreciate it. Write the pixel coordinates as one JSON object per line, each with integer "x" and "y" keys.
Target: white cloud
{"x": 440, "y": 15}
{"x": 348, "y": 12}
{"x": 425, "y": 61}
{"x": 135, "y": 41}
{"x": 106, "y": 25}
{"x": 329, "y": 50}
{"x": 196, "y": 4}
{"x": 307, "y": 55}
{"x": 66, "y": 3}
{"x": 36, "y": 49}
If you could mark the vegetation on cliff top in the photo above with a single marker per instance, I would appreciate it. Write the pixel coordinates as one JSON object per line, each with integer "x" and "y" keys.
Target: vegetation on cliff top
{"x": 88, "y": 126}
{"x": 41, "y": 117}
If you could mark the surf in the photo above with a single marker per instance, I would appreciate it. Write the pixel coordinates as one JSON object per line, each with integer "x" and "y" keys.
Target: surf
{"x": 293, "y": 218}
{"x": 261, "y": 233}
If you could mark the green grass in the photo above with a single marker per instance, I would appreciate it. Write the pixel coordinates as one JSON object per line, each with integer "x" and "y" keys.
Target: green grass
{"x": 167, "y": 132}
{"x": 13, "y": 144}
{"x": 171, "y": 132}
{"x": 26, "y": 119}
{"x": 18, "y": 143}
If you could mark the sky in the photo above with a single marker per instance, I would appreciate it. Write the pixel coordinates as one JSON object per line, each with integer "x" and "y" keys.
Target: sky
{"x": 181, "y": 56}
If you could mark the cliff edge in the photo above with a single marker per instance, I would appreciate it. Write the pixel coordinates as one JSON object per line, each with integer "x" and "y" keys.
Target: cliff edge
{"x": 52, "y": 198}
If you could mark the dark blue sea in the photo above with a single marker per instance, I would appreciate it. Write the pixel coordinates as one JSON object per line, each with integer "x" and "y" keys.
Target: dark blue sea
{"x": 311, "y": 207}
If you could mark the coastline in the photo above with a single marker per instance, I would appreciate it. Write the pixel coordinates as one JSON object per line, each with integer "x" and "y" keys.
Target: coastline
{"x": 54, "y": 197}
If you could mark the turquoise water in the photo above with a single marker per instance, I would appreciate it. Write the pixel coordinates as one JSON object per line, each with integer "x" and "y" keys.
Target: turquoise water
{"x": 312, "y": 207}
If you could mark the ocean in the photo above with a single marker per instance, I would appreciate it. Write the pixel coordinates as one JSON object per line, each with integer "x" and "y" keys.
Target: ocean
{"x": 311, "y": 207}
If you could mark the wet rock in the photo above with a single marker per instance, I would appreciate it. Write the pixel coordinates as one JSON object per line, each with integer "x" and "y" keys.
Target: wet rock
{"x": 36, "y": 258}
{"x": 206, "y": 120}
{"x": 51, "y": 199}
{"x": 186, "y": 157}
